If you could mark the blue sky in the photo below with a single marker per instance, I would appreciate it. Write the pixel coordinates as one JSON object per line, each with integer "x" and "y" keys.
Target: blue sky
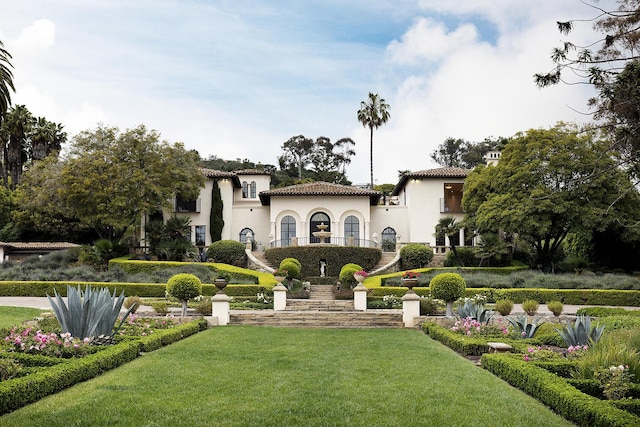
{"x": 236, "y": 79}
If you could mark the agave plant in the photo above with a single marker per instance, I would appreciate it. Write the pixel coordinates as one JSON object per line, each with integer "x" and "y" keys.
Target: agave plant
{"x": 475, "y": 311}
{"x": 581, "y": 332}
{"x": 90, "y": 313}
{"x": 523, "y": 328}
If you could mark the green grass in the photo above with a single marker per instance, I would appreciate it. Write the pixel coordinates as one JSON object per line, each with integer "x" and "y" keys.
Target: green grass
{"x": 258, "y": 376}
{"x": 12, "y": 316}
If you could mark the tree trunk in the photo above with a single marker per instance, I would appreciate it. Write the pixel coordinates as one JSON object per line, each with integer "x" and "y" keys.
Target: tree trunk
{"x": 184, "y": 308}
{"x": 449, "y": 312}
{"x": 371, "y": 156}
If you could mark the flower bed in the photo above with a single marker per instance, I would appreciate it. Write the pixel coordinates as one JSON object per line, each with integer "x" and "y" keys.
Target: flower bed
{"x": 47, "y": 371}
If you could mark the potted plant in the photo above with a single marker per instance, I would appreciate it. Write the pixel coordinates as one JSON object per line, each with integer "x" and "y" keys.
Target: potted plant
{"x": 280, "y": 275}
{"x": 360, "y": 275}
{"x": 410, "y": 279}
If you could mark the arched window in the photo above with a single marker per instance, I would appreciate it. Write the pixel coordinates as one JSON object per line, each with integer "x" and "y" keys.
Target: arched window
{"x": 243, "y": 234}
{"x": 352, "y": 227}
{"x": 389, "y": 240}
{"x": 287, "y": 230}
{"x": 253, "y": 189}
{"x": 317, "y": 219}
{"x": 245, "y": 189}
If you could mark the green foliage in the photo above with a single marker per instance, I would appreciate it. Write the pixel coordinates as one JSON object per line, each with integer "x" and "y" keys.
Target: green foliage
{"x": 293, "y": 260}
{"x": 335, "y": 256}
{"x": 606, "y": 311}
{"x": 523, "y": 328}
{"x": 132, "y": 301}
{"x": 581, "y": 332}
{"x": 8, "y": 369}
{"x": 447, "y": 286}
{"x": 465, "y": 345}
{"x": 555, "y": 307}
{"x": 556, "y": 393}
{"x": 184, "y": 286}
{"x": 216, "y": 222}
{"x": 538, "y": 189}
{"x": 530, "y": 307}
{"x": 346, "y": 274}
{"x": 472, "y": 310}
{"x": 292, "y": 268}
{"x": 227, "y": 252}
{"x": 504, "y": 306}
{"x": 90, "y": 313}
{"x": 160, "y": 307}
{"x": 415, "y": 256}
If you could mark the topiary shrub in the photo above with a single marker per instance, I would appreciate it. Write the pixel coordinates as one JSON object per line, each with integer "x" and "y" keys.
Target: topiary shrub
{"x": 346, "y": 274}
{"x": 448, "y": 287}
{"x": 555, "y": 307}
{"x": 184, "y": 287}
{"x": 132, "y": 301}
{"x": 227, "y": 252}
{"x": 160, "y": 307}
{"x": 530, "y": 307}
{"x": 415, "y": 255}
{"x": 504, "y": 306}
{"x": 292, "y": 266}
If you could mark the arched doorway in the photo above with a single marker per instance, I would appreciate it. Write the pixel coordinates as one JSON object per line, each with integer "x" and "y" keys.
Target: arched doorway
{"x": 317, "y": 219}
{"x": 388, "y": 240}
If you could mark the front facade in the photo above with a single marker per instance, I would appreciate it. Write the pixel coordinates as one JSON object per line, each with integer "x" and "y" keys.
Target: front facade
{"x": 353, "y": 216}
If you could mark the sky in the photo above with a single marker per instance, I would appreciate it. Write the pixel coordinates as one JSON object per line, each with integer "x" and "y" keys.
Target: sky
{"x": 236, "y": 78}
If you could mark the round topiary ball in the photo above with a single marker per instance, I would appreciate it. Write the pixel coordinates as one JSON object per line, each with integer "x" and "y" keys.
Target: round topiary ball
{"x": 227, "y": 252}
{"x": 184, "y": 287}
{"x": 415, "y": 255}
{"x": 346, "y": 274}
{"x": 293, "y": 269}
{"x": 448, "y": 287}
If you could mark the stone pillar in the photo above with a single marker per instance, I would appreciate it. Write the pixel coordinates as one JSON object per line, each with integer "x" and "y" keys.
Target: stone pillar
{"x": 461, "y": 236}
{"x": 360, "y": 297}
{"x": 410, "y": 309}
{"x": 279, "y": 297}
{"x": 220, "y": 308}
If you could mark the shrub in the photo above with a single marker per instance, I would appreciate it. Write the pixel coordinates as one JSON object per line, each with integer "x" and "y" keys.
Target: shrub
{"x": 132, "y": 301}
{"x": 293, "y": 260}
{"x": 523, "y": 328}
{"x": 428, "y": 307}
{"x": 504, "y": 306}
{"x": 160, "y": 307}
{"x": 448, "y": 287}
{"x": 227, "y": 252}
{"x": 555, "y": 307}
{"x": 415, "y": 256}
{"x": 581, "y": 332}
{"x": 346, "y": 274}
{"x": 184, "y": 287}
{"x": 530, "y": 307}
{"x": 8, "y": 369}
{"x": 204, "y": 307}
{"x": 292, "y": 268}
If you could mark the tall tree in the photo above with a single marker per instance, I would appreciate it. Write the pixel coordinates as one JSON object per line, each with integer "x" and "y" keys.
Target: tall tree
{"x": 449, "y": 153}
{"x": 547, "y": 184}
{"x": 216, "y": 222}
{"x": 6, "y": 81}
{"x": 110, "y": 179}
{"x": 297, "y": 151}
{"x": 607, "y": 63}
{"x": 46, "y": 138}
{"x": 16, "y": 129}
{"x": 373, "y": 113}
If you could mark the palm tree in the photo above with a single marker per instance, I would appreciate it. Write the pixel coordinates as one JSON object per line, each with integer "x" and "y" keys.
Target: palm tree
{"x": 6, "y": 81}
{"x": 448, "y": 226}
{"x": 373, "y": 113}
{"x": 19, "y": 123}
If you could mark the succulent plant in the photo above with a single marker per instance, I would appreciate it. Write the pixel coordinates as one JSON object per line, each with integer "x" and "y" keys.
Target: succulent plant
{"x": 581, "y": 332}
{"x": 522, "y": 326}
{"x": 475, "y": 311}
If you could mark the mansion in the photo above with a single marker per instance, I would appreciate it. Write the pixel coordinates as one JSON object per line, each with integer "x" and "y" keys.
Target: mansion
{"x": 354, "y": 216}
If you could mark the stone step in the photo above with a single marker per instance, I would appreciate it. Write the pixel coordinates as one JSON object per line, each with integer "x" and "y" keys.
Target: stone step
{"x": 319, "y": 319}
{"x": 319, "y": 305}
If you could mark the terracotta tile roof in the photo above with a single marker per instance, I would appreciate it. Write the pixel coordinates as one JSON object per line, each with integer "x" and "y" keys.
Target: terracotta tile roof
{"x": 320, "y": 189}
{"x": 453, "y": 173}
{"x": 39, "y": 245}
{"x": 216, "y": 174}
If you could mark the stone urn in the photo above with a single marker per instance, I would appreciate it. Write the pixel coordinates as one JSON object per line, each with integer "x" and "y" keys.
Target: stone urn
{"x": 359, "y": 278}
{"x": 410, "y": 283}
{"x": 220, "y": 284}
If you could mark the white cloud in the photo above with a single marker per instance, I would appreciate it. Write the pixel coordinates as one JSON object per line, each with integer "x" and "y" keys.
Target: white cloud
{"x": 36, "y": 38}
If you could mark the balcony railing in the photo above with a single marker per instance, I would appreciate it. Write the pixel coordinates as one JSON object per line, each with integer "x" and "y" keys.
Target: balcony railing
{"x": 338, "y": 241}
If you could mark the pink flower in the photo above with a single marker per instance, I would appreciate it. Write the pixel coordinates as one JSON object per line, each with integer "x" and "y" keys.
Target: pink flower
{"x": 526, "y": 358}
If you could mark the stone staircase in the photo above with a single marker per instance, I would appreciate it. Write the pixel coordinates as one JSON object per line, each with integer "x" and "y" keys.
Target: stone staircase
{"x": 319, "y": 319}
{"x": 385, "y": 259}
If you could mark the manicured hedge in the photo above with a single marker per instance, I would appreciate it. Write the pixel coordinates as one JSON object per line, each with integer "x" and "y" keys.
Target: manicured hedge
{"x": 334, "y": 256}
{"x": 41, "y": 289}
{"x": 18, "y": 392}
{"x": 557, "y": 394}
{"x": 465, "y": 345}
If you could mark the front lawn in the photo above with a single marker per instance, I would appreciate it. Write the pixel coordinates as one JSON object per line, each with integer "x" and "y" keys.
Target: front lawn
{"x": 11, "y": 316}
{"x": 259, "y": 376}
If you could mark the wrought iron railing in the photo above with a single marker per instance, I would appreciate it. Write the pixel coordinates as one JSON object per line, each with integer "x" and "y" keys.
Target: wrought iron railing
{"x": 338, "y": 241}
